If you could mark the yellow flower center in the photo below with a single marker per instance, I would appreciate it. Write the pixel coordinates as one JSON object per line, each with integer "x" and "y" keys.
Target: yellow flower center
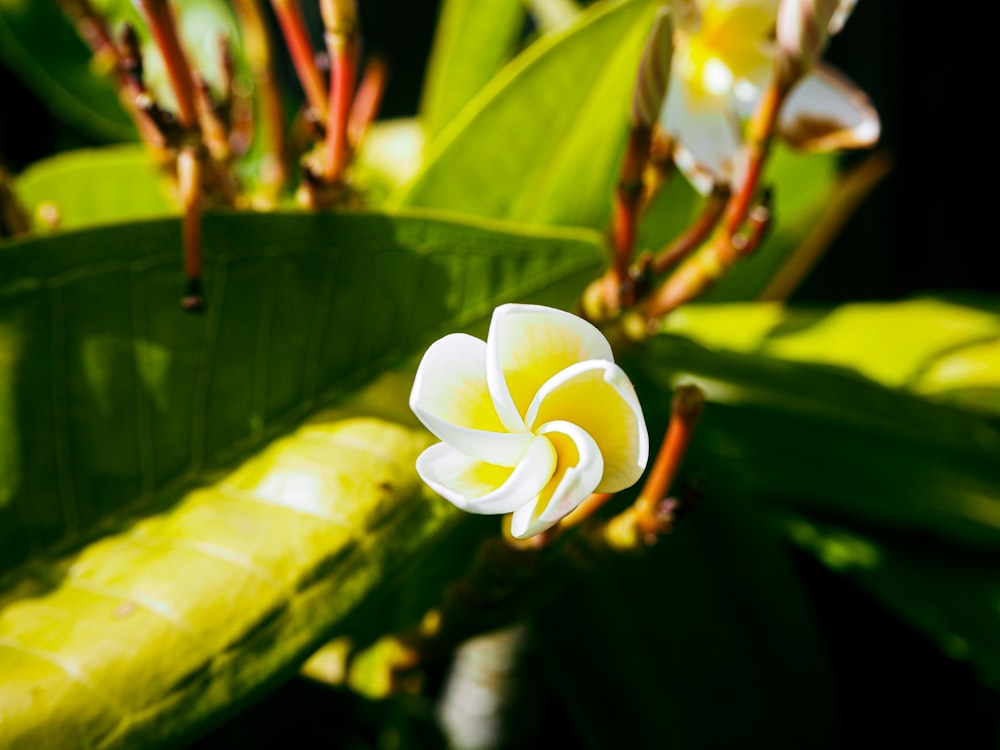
{"x": 728, "y": 45}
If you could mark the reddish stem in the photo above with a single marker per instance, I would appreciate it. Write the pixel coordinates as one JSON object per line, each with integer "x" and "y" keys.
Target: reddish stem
{"x": 343, "y": 69}
{"x": 189, "y": 169}
{"x": 162, "y": 23}
{"x": 367, "y": 101}
{"x": 760, "y": 131}
{"x": 688, "y": 403}
{"x": 628, "y": 198}
{"x": 293, "y": 28}
{"x": 695, "y": 234}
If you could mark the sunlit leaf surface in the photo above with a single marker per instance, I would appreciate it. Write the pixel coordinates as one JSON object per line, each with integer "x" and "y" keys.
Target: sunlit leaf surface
{"x": 473, "y": 39}
{"x": 943, "y": 349}
{"x": 541, "y": 142}
{"x": 96, "y": 186}
{"x": 145, "y": 635}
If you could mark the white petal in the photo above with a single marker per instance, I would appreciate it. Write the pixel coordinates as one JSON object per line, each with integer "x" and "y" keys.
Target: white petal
{"x": 451, "y": 397}
{"x": 478, "y": 487}
{"x": 840, "y": 16}
{"x": 598, "y": 397}
{"x": 707, "y": 130}
{"x": 527, "y": 345}
{"x": 578, "y": 472}
{"x": 826, "y": 112}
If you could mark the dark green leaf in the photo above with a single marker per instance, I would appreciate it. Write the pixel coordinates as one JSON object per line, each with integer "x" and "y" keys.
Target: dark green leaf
{"x": 707, "y": 641}
{"x": 951, "y": 595}
{"x": 112, "y": 393}
{"x": 39, "y": 42}
{"x": 42, "y": 44}
{"x": 822, "y": 439}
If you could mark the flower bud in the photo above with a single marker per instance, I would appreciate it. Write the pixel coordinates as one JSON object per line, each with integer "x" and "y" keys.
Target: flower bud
{"x": 654, "y": 72}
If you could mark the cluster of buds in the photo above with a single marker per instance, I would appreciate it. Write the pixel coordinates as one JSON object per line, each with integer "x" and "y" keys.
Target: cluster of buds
{"x": 336, "y": 115}
{"x": 200, "y": 136}
{"x": 718, "y": 81}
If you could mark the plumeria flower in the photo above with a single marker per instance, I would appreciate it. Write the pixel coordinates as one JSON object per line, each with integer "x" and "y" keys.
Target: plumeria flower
{"x": 532, "y": 421}
{"x": 724, "y": 57}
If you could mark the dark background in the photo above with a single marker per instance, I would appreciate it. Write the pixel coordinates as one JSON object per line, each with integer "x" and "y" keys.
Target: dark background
{"x": 918, "y": 232}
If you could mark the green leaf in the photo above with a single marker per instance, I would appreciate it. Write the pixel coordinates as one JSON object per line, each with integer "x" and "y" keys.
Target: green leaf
{"x": 945, "y": 350}
{"x": 821, "y": 439}
{"x": 951, "y": 595}
{"x": 473, "y": 39}
{"x": 553, "y": 15}
{"x": 113, "y": 393}
{"x": 114, "y": 402}
{"x": 147, "y": 634}
{"x": 40, "y": 43}
{"x": 90, "y": 187}
{"x": 712, "y": 622}
{"x": 541, "y": 142}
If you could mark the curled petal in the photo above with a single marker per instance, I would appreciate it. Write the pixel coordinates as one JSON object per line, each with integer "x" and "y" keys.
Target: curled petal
{"x": 478, "y": 487}
{"x": 527, "y": 345}
{"x": 451, "y": 397}
{"x": 598, "y": 397}
{"x": 825, "y": 112}
{"x": 708, "y": 129}
{"x": 578, "y": 471}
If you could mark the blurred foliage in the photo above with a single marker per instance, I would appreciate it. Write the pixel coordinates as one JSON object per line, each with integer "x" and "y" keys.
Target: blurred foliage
{"x": 183, "y": 520}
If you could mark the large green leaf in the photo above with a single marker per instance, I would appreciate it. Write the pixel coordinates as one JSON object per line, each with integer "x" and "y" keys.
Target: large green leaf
{"x": 713, "y": 622}
{"x": 472, "y": 41}
{"x": 145, "y": 636}
{"x": 38, "y": 41}
{"x": 112, "y": 393}
{"x": 113, "y": 402}
{"x": 823, "y": 439}
{"x": 541, "y": 142}
{"x": 96, "y": 186}
{"x": 951, "y": 595}
{"x": 945, "y": 350}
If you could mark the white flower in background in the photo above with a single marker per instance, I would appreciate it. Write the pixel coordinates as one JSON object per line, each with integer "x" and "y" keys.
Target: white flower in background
{"x": 533, "y": 420}
{"x": 724, "y": 58}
